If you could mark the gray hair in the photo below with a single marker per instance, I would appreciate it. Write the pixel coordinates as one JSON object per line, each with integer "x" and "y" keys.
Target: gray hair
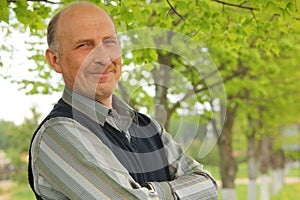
{"x": 51, "y": 33}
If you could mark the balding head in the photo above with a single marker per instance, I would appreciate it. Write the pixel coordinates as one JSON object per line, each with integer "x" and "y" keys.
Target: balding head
{"x": 84, "y": 48}
{"x": 64, "y": 16}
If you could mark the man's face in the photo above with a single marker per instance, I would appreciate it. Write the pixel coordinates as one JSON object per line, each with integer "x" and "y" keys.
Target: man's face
{"x": 89, "y": 52}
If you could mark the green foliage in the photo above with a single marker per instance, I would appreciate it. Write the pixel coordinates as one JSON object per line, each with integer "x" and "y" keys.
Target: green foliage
{"x": 211, "y": 159}
{"x": 18, "y": 191}
{"x": 246, "y": 44}
{"x": 32, "y": 16}
{"x": 23, "y": 193}
{"x": 254, "y": 45}
{"x": 4, "y": 11}
{"x": 16, "y": 140}
{"x": 6, "y": 128}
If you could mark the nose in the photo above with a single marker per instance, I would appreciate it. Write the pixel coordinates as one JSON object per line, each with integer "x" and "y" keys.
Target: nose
{"x": 101, "y": 56}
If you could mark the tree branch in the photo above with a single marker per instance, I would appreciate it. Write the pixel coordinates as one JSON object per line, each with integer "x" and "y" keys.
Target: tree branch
{"x": 174, "y": 10}
{"x": 46, "y": 1}
{"x": 236, "y": 5}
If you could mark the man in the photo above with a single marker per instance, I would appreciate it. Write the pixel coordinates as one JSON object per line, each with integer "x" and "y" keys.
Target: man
{"x": 92, "y": 145}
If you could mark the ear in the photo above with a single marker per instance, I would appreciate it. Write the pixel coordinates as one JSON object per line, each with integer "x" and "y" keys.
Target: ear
{"x": 52, "y": 59}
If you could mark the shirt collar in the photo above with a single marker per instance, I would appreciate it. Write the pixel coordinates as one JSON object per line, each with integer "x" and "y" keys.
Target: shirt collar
{"x": 95, "y": 110}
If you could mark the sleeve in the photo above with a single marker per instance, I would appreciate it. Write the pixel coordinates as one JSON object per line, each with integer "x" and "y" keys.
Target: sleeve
{"x": 190, "y": 181}
{"x": 70, "y": 162}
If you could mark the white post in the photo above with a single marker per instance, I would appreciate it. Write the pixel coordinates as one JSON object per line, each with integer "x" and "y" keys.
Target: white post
{"x": 229, "y": 194}
{"x": 264, "y": 188}
{"x": 251, "y": 189}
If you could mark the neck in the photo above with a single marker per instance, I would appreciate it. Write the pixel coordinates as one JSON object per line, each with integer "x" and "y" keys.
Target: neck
{"x": 105, "y": 101}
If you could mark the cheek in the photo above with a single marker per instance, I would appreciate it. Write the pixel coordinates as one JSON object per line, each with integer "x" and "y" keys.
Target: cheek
{"x": 119, "y": 73}
{"x": 118, "y": 63}
{"x": 116, "y": 53}
{"x": 75, "y": 62}
{"x": 71, "y": 67}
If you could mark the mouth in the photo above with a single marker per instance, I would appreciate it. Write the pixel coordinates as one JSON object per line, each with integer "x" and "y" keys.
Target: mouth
{"x": 100, "y": 74}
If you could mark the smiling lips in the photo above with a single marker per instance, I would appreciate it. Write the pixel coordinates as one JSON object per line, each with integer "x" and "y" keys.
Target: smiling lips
{"x": 100, "y": 74}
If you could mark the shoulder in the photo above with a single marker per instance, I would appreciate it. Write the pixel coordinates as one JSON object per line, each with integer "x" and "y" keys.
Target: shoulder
{"x": 62, "y": 130}
{"x": 62, "y": 119}
{"x": 55, "y": 126}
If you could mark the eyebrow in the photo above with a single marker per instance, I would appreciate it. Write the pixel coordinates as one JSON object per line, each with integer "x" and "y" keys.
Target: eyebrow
{"x": 92, "y": 40}
{"x": 83, "y": 40}
{"x": 110, "y": 37}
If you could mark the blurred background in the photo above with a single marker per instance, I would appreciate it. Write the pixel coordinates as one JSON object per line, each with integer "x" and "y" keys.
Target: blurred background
{"x": 238, "y": 94}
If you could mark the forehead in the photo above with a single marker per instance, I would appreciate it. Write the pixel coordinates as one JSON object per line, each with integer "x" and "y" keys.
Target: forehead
{"x": 84, "y": 20}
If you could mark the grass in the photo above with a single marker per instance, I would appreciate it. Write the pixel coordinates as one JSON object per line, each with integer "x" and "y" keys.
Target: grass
{"x": 288, "y": 192}
{"x": 215, "y": 171}
{"x": 19, "y": 192}
{"x": 294, "y": 172}
{"x": 22, "y": 192}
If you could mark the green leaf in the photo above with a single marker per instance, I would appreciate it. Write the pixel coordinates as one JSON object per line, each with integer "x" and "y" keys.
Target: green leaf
{"x": 215, "y": 15}
{"x": 205, "y": 26}
{"x": 4, "y": 11}
{"x": 148, "y": 66}
{"x": 182, "y": 6}
{"x": 203, "y": 5}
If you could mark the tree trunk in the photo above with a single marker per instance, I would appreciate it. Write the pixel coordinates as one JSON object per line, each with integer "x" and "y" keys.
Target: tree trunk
{"x": 251, "y": 194}
{"x": 252, "y": 169}
{"x": 228, "y": 166}
{"x": 264, "y": 166}
{"x": 252, "y": 155}
{"x": 277, "y": 161}
{"x": 161, "y": 78}
{"x": 264, "y": 187}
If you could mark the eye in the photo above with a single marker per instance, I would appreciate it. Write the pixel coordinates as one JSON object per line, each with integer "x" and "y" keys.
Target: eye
{"x": 110, "y": 42}
{"x": 84, "y": 45}
{"x": 81, "y": 45}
